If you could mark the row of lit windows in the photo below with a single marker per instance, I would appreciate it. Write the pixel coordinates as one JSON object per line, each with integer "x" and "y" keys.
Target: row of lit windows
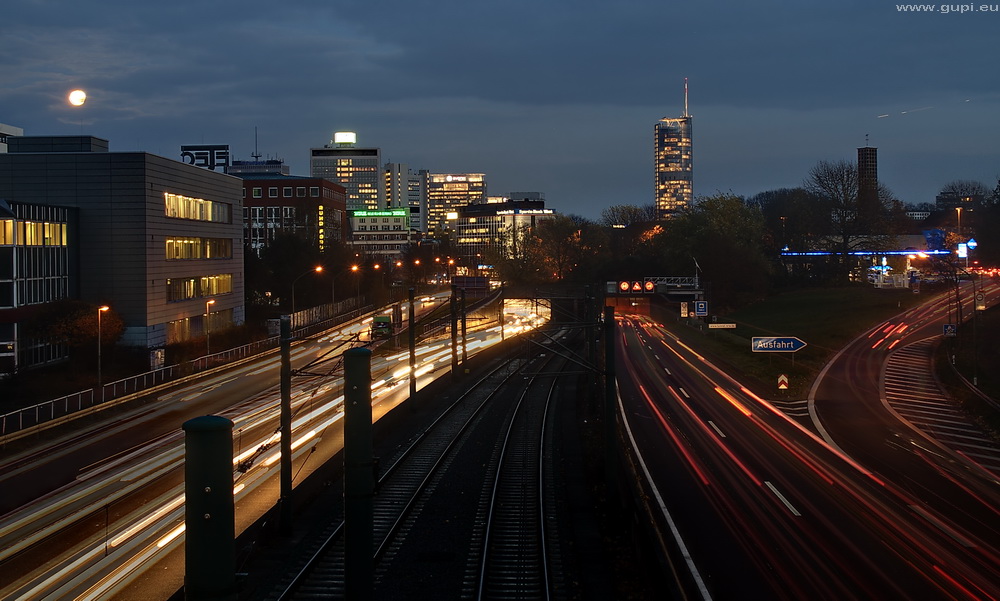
{"x": 199, "y": 209}
{"x": 199, "y": 248}
{"x": 375, "y": 228}
{"x": 32, "y": 233}
{"x": 179, "y": 289}
{"x": 286, "y": 192}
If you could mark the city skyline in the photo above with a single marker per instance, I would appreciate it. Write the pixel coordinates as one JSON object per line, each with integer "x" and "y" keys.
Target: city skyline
{"x": 775, "y": 88}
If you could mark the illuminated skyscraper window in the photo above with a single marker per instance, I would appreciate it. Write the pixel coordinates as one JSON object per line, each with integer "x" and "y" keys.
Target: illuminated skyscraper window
{"x": 673, "y": 165}
{"x": 359, "y": 170}
{"x": 673, "y": 188}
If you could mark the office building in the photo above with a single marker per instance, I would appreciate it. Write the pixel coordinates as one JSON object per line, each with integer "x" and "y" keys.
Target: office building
{"x": 35, "y": 269}
{"x": 674, "y": 167}
{"x": 152, "y": 237}
{"x": 274, "y": 203}
{"x": 480, "y": 229}
{"x": 382, "y": 234}
{"x": 449, "y": 192}
{"x": 357, "y": 169}
{"x": 405, "y": 188}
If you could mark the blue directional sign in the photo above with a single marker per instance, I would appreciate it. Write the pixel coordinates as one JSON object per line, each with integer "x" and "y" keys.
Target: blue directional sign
{"x": 773, "y": 344}
{"x": 700, "y": 308}
{"x": 949, "y": 329}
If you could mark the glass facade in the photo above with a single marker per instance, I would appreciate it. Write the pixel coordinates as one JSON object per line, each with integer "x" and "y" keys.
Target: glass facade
{"x": 449, "y": 192}
{"x": 673, "y": 165}
{"x": 358, "y": 170}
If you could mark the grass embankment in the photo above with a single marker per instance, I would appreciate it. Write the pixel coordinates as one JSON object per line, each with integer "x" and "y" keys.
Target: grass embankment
{"x": 977, "y": 359}
{"x": 825, "y": 318}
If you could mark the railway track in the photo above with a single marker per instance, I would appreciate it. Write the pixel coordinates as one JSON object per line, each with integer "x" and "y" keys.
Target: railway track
{"x": 466, "y": 508}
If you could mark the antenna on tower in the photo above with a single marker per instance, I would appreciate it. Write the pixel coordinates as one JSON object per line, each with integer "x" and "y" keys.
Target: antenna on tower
{"x": 686, "y": 97}
{"x": 256, "y": 153}
{"x": 866, "y": 140}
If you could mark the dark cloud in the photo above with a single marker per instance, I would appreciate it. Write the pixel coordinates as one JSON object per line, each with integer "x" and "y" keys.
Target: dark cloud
{"x": 558, "y": 96}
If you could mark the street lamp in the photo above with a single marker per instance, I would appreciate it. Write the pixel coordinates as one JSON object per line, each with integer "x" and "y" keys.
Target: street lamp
{"x": 100, "y": 310}
{"x": 317, "y": 269}
{"x": 355, "y": 269}
{"x": 959, "y": 211}
{"x": 208, "y": 346}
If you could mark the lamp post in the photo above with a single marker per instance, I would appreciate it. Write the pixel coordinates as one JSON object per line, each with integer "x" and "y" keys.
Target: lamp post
{"x": 317, "y": 269}
{"x": 208, "y": 306}
{"x": 356, "y": 269}
{"x": 959, "y": 211}
{"x": 100, "y": 310}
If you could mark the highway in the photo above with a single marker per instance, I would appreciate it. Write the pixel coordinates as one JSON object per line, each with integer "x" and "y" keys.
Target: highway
{"x": 763, "y": 508}
{"x": 86, "y": 515}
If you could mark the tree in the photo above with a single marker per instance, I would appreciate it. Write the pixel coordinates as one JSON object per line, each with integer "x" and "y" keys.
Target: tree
{"x": 964, "y": 188}
{"x": 567, "y": 242}
{"x": 849, "y": 226}
{"x": 74, "y": 323}
{"x": 625, "y": 215}
{"x": 722, "y": 237}
{"x": 516, "y": 255}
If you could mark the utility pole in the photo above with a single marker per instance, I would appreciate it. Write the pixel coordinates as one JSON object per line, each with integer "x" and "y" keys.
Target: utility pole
{"x": 359, "y": 476}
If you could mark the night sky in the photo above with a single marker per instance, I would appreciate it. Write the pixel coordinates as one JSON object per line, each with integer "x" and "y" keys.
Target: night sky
{"x": 558, "y": 97}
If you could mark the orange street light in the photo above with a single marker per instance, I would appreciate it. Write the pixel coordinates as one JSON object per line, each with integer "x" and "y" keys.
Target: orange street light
{"x": 100, "y": 310}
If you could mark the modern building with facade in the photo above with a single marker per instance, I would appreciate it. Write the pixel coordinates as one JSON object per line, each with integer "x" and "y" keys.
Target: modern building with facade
{"x": 311, "y": 207}
{"x": 449, "y": 192}
{"x": 405, "y": 188}
{"x": 480, "y": 229}
{"x": 153, "y": 238}
{"x": 357, "y": 169}
{"x": 382, "y": 234}
{"x": 35, "y": 269}
{"x": 673, "y": 165}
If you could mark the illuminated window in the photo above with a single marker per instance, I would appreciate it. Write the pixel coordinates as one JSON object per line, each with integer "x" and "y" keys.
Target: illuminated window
{"x": 199, "y": 209}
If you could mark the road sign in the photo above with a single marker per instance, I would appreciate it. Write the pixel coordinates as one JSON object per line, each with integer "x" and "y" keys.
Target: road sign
{"x": 684, "y": 309}
{"x": 950, "y": 329}
{"x": 980, "y": 301}
{"x": 774, "y": 344}
{"x": 782, "y": 382}
{"x": 700, "y": 308}
{"x": 721, "y": 326}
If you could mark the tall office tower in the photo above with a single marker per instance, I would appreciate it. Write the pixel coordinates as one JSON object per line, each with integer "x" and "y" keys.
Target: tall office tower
{"x": 405, "y": 188}
{"x": 672, "y": 163}
{"x": 447, "y": 193}
{"x": 358, "y": 170}
{"x": 868, "y": 204}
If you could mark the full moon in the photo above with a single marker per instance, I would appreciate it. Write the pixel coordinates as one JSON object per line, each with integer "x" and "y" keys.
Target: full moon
{"x": 77, "y": 97}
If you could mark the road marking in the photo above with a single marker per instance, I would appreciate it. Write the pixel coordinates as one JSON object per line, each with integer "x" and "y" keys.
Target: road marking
{"x": 783, "y": 499}
{"x": 684, "y": 392}
{"x": 944, "y": 527}
{"x": 716, "y": 428}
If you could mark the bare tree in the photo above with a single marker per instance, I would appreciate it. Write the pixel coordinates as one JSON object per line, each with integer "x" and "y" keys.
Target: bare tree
{"x": 627, "y": 215}
{"x": 836, "y": 186}
{"x": 964, "y": 188}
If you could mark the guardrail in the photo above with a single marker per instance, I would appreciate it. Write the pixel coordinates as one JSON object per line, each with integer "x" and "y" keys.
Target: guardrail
{"x": 38, "y": 415}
